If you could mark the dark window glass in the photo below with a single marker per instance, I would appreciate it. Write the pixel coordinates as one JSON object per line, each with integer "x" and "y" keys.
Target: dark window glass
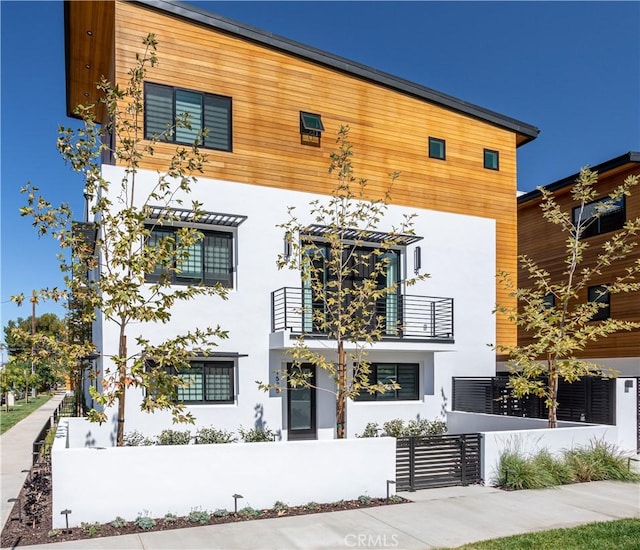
{"x": 207, "y": 382}
{"x": 210, "y": 260}
{"x": 491, "y": 159}
{"x": 549, "y": 301}
{"x": 437, "y": 148}
{"x": 163, "y": 104}
{"x": 600, "y": 294}
{"x": 405, "y": 374}
{"x": 601, "y": 216}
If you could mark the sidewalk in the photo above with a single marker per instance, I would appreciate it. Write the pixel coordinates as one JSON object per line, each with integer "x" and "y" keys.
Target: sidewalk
{"x": 16, "y": 446}
{"x": 437, "y": 518}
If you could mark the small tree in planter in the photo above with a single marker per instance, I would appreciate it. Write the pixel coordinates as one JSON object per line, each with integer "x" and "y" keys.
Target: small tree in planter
{"x": 344, "y": 281}
{"x": 549, "y": 309}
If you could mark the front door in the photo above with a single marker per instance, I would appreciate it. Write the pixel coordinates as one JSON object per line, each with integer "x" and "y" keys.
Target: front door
{"x": 301, "y": 407}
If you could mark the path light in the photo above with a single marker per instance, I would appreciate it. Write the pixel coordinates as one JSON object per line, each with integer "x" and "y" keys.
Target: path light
{"x": 66, "y": 519}
{"x": 19, "y": 518}
{"x": 236, "y": 496}
{"x": 389, "y": 483}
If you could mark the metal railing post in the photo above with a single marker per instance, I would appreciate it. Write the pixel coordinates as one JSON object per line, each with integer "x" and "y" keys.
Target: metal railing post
{"x": 463, "y": 460}
{"x": 412, "y": 463}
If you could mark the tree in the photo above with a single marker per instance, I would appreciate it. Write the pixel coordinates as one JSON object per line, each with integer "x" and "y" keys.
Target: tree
{"x": 20, "y": 338}
{"x": 118, "y": 245}
{"x": 549, "y": 308}
{"x": 350, "y": 289}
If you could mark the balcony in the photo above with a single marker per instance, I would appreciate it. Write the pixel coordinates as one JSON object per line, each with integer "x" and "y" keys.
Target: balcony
{"x": 407, "y": 317}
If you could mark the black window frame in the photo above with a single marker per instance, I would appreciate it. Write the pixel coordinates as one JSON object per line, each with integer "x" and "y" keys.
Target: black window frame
{"x": 180, "y": 279}
{"x": 311, "y": 135}
{"x": 600, "y": 293}
{"x": 206, "y": 142}
{"x": 603, "y": 222}
{"x": 497, "y": 157}
{"x": 209, "y": 369}
{"x": 438, "y": 141}
{"x": 393, "y": 395}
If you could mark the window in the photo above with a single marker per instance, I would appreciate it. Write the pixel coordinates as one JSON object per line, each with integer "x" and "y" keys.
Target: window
{"x": 491, "y": 159}
{"x": 206, "y": 382}
{"x": 549, "y": 301}
{"x": 600, "y": 294}
{"x": 311, "y": 128}
{"x": 437, "y": 148}
{"x": 163, "y": 104}
{"x": 405, "y": 374}
{"x": 601, "y": 216}
{"x": 210, "y": 259}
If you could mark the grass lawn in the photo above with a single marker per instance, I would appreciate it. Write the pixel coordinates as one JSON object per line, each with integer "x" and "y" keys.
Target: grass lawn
{"x": 622, "y": 535}
{"x": 20, "y": 410}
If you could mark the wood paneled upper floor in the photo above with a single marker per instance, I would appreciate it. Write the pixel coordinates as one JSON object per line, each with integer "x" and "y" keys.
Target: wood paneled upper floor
{"x": 268, "y": 81}
{"x": 546, "y": 244}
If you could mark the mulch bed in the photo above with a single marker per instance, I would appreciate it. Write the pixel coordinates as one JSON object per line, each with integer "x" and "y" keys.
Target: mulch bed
{"x": 22, "y": 531}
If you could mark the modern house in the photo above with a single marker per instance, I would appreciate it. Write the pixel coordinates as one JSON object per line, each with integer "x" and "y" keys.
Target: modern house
{"x": 619, "y": 399}
{"x": 272, "y": 107}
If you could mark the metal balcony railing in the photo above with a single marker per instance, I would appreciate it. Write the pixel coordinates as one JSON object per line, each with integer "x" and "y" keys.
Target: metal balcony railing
{"x": 404, "y": 316}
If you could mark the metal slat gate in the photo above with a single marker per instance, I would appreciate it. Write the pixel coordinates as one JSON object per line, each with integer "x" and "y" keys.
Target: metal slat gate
{"x": 437, "y": 461}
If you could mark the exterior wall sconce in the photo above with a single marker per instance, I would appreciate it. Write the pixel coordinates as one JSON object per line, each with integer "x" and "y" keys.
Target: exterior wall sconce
{"x": 417, "y": 259}
{"x": 628, "y": 384}
{"x": 287, "y": 246}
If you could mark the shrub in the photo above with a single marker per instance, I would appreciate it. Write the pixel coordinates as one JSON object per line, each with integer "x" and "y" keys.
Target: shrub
{"x": 312, "y": 506}
{"x": 599, "y": 461}
{"x": 221, "y": 513}
{"x": 370, "y": 430}
{"x": 395, "y": 499}
{"x": 281, "y": 508}
{"x": 145, "y": 521}
{"x": 248, "y": 512}
{"x": 170, "y": 518}
{"x": 136, "y": 439}
{"x": 364, "y": 499}
{"x": 557, "y": 469}
{"x": 207, "y": 436}
{"x": 91, "y": 529}
{"x": 256, "y": 435}
{"x": 515, "y": 471}
{"x": 199, "y": 516}
{"x": 174, "y": 437}
{"x": 418, "y": 427}
{"x": 118, "y": 523}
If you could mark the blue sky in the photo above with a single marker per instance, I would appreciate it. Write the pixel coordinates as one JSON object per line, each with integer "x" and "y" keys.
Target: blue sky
{"x": 570, "y": 68}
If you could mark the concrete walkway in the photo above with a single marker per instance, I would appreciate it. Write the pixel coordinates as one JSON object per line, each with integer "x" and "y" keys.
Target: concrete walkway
{"x": 437, "y": 518}
{"x": 16, "y": 446}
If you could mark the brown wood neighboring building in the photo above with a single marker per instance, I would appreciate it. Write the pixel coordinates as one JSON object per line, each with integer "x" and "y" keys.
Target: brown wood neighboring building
{"x": 543, "y": 242}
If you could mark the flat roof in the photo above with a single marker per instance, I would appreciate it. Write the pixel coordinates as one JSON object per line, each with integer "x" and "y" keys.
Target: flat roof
{"x": 611, "y": 164}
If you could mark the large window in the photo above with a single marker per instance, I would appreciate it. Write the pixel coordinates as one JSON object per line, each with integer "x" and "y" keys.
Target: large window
{"x": 210, "y": 260}
{"x": 207, "y": 382}
{"x": 601, "y": 216}
{"x": 360, "y": 263}
{"x": 164, "y": 104}
{"x": 601, "y": 296}
{"x": 405, "y": 374}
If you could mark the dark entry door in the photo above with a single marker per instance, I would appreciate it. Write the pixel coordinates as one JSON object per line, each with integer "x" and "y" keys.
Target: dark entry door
{"x": 301, "y": 407}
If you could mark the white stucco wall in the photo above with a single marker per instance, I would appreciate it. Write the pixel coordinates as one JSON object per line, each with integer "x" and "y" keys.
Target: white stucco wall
{"x": 627, "y": 413}
{"x": 458, "y": 251}
{"x": 100, "y": 484}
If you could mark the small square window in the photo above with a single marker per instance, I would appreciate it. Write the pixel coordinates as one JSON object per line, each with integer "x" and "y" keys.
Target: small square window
{"x": 491, "y": 159}
{"x": 437, "y": 149}
{"x": 311, "y": 128}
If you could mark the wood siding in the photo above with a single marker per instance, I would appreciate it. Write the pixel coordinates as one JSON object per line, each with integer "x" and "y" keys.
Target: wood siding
{"x": 542, "y": 241}
{"x": 389, "y": 129}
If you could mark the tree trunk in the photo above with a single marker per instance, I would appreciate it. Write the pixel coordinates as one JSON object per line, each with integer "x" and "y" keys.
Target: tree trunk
{"x": 341, "y": 394}
{"x": 122, "y": 382}
{"x": 553, "y": 394}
